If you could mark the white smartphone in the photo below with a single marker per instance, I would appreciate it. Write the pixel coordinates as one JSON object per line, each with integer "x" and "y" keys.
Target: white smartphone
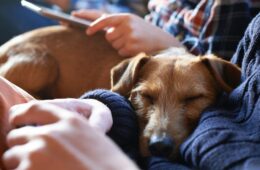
{"x": 56, "y": 15}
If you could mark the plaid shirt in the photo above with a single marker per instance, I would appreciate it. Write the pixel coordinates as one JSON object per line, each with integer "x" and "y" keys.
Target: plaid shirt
{"x": 134, "y": 6}
{"x": 205, "y": 26}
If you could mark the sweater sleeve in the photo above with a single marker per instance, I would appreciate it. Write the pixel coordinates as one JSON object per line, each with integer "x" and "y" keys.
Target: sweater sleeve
{"x": 124, "y": 130}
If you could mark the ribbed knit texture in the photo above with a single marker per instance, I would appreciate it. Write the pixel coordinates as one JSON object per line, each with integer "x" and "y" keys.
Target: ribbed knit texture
{"x": 125, "y": 128}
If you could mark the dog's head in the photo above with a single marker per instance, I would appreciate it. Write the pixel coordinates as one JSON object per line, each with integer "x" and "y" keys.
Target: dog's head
{"x": 169, "y": 91}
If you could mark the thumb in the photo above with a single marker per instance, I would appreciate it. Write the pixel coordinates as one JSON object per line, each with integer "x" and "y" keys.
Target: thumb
{"x": 98, "y": 114}
{"x": 101, "y": 116}
{"x": 105, "y": 21}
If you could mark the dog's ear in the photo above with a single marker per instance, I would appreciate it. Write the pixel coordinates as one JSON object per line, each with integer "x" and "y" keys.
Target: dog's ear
{"x": 227, "y": 75}
{"x": 124, "y": 75}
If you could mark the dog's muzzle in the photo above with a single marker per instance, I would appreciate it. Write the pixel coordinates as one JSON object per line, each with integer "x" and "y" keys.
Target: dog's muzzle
{"x": 161, "y": 145}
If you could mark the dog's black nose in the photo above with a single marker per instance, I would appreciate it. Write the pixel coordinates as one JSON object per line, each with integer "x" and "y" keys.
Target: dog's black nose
{"x": 161, "y": 145}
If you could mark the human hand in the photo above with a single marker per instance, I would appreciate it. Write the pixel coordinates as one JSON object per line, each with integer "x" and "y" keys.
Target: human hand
{"x": 90, "y": 14}
{"x": 97, "y": 113}
{"x": 10, "y": 95}
{"x": 130, "y": 34}
{"x": 62, "y": 140}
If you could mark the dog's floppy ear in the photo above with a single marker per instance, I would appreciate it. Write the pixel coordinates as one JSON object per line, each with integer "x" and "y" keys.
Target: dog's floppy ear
{"x": 124, "y": 75}
{"x": 227, "y": 75}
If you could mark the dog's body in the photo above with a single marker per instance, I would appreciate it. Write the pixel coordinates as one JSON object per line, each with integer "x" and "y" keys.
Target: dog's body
{"x": 55, "y": 62}
{"x": 169, "y": 91}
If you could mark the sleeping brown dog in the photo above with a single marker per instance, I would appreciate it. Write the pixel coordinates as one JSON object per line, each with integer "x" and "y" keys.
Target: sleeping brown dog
{"x": 58, "y": 61}
{"x": 169, "y": 91}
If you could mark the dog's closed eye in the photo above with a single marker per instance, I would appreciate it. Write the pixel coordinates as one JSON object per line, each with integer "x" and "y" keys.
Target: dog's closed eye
{"x": 143, "y": 94}
{"x": 190, "y": 99}
{"x": 149, "y": 98}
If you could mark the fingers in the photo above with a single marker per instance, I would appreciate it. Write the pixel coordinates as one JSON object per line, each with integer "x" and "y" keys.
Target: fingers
{"x": 76, "y": 106}
{"x": 98, "y": 114}
{"x": 125, "y": 53}
{"x": 95, "y": 111}
{"x": 124, "y": 47}
{"x": 117, "y": 37}
{"x": 20, "y": 136}
{"x": 11, "y": 158}
{"x": 51, "y": 111}
{"x": 105, "y": 21}
{"x": 113, "y": 34}
{"x": 101, "y": 117}
{"x": 88, "y": 14}
{"x": 121, "y": 39}
{"x": 118, "y": 44}
{"x": 119, "y": 30}
{"x": 34, "y": 113}
{"x": 19, "y": 157}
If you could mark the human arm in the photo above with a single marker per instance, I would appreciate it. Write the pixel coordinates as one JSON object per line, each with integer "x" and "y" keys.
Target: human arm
{"x": 129, "y": 34}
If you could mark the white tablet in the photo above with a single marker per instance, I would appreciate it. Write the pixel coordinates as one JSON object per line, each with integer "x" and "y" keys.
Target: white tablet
{"x": 57, "y": 15}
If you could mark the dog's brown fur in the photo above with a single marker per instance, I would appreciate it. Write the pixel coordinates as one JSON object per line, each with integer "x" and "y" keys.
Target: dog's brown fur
{"x": 169, "y": 91}
{"x": 55, "y": 62}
